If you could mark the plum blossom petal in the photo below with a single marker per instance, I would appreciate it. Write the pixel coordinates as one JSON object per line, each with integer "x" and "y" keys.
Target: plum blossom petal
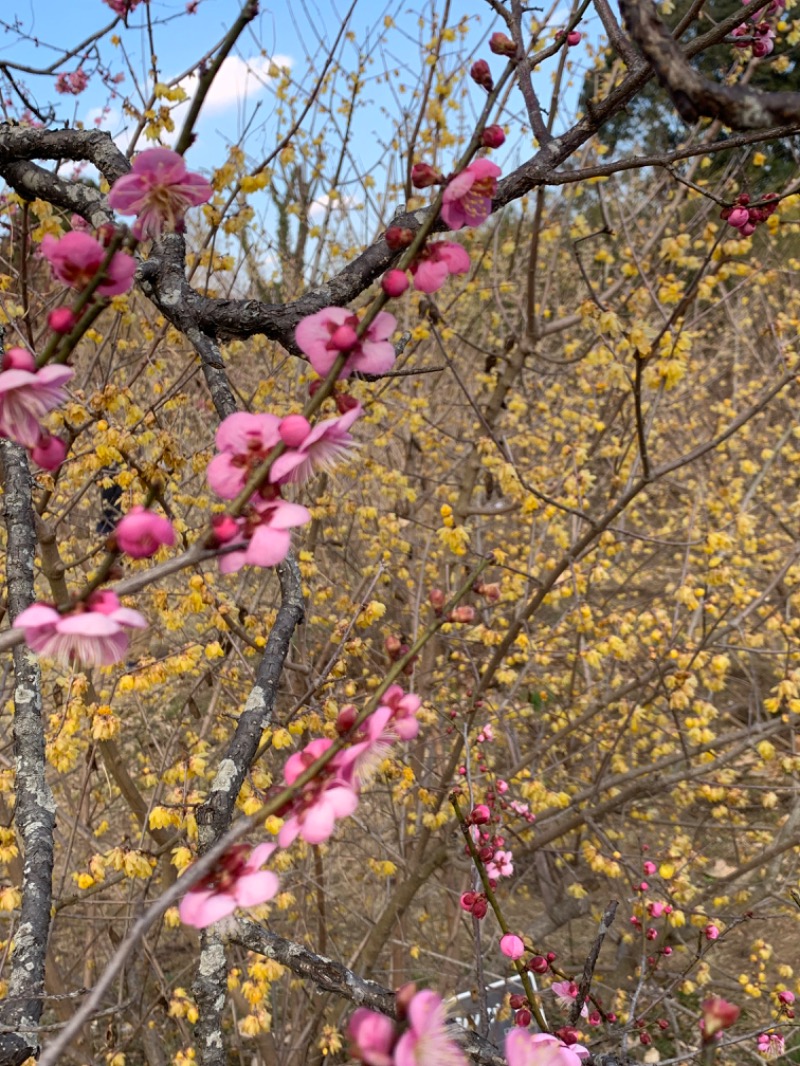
{"x": 76, "y": 258}
{"x": 325, "y": 443}
{"x": 467, "y": 199}
{"x": 328, "y": 333}
{"x": 428, "y": 1039}
{"x": 540, "y": 1049}
{"x": 436, "y": 262}
{"x": 94, "y": 633}
{"x": 234, "y": 882}
{"x": 371, "y": 1037}
{"x": 159, "y": 190}
{"x": 27, "y": 394}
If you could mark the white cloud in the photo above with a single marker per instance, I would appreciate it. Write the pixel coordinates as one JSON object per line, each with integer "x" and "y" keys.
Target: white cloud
{"x": 236, "y": 80}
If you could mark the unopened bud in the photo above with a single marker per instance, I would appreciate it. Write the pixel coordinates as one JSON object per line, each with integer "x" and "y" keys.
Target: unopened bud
{"x": 398, "y": 237}
{"x": 423, "y": 176}
{"x": 482, "y": 75}
{"x": 493, "y": 137}
{"x": 464, "y": 614}
{"x": 502, "y": 45}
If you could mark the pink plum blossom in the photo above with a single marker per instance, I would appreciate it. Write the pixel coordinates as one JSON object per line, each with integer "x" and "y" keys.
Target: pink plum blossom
{"x": 427, "y": 1040}
{"x": 158, "y": 190}
{"x": 404, "y": 707}
{"x": 512, "y": 946}
{"x": 436, "y": 262}
{"x": 500, "y": 866}
{"x": 712, "y": 932}
{"x": 371, "y": 1037}
{"x": 93, "y": 633}
{"x": 72, "y": 84}
{"x": 27, "y": 394}
{"x": 541, "y": 1049}
{"x": 371, "y": 744}
{"x": 141, "y": 533}
{"x": 61, "y": 319}
{"x": 324, "y": 799}
{"x": 566, "y": 992}
{"x": 237, "y": 881}
{"x": 76, "y": 258}
{"x": 467, "y": 199}
{"x": 317, "y": 449}
{"x": 244, "y": 441}
{"x": 771, "y": 1045}
{"x": 328, "y": 333}
{"x": 265, "y": 531}
{"x": 786, "y": 997}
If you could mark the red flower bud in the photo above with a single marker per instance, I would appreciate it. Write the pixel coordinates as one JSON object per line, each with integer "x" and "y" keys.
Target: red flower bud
{"x": 482, "y": 75}
{"x": 398, "y": 237}
{"x": 480, "y": 908}
{"x": 538, "y": 964}
{"x": 394, "y": 282}
{"x": 345, "y": 720}
{"x": 573, "y": 38}
{"x": 480, "y": 815}
{"x": 493, "y": 137}
{"x": 517, "y": 1001}
{"x": 464, "y": 613}
{"x": 523, "y": 1018}
{"x": 502, "y": 45}
{"x": 423, "y": 176}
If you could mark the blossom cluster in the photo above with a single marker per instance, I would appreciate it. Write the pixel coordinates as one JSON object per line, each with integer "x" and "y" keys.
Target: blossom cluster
{"x": 744, "y": 217}
{"x": 331, "y": 794}
{"x": 423, "y": 1038}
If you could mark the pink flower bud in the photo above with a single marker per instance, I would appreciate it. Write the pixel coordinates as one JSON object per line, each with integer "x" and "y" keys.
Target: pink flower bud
{"x": 346, "y": 718}
{"x": 747, "y": 229}
{"x": 480, "y": 814}
{"x": 649, "y": 868}
{"x": 293, "y": 430}
{"x": 738, "y": 217}
{"x": 493, "y": 137}
{"x": 594, "y": 1018}
{"x": 538, "y": 964}
{"x": 482, "y": 75}
{"x": 463, "y": 614}
{"x": 61, "y": 320}
{"x": 512, "y": 946}
{"x": 786, "y": 996}
{"x": 225, "y": 528}
{"x": 49, "y": 452}
{"x": 467, "y": 901}
{"x": 141, "y": 533}
{"x": 712, "y": 932}
{"x": 344, "y": 337}
{"x": 423, "y": 176}
{"x": 502, "y": 786}
{"x": 667, "y": 950}
{"x": 502, "y": 45}
{"x": 573, "y": 38}
{"x": 394, "y": 282}
{"x": 642, "y": 886}
{"x": 436, "y": 598}
{"x": 19, "y": 359}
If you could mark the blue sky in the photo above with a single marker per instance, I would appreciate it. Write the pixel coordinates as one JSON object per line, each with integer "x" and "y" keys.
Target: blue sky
{"x": 292, "y": 32}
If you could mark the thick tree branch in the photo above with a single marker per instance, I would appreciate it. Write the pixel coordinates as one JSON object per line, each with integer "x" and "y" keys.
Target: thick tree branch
{"x": 35, "y": 808}
{"x": 694, "y": 95}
